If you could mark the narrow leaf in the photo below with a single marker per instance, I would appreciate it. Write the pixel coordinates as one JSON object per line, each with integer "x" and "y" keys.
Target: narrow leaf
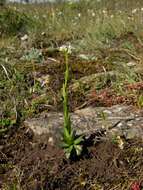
{"x": 78, "y": 140}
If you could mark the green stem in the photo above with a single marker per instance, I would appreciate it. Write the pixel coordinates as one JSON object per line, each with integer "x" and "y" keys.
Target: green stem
{"x": 65, "y": 96}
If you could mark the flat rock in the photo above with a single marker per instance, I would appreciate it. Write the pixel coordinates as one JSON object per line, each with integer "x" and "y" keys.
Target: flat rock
{"x": 119, "y": 120}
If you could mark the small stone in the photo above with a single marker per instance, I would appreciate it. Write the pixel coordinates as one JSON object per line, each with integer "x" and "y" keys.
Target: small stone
{"x": 131, "y": 64}
{"x": 108, "y": 112}
{"x": 43, "y": 33}
{"x": 83, "y": 56}
{"x": 24, "y": 38}
{"x": 132, "y": 133}
{"x": 51, "y": 140}
{"x": 120, "y": 124}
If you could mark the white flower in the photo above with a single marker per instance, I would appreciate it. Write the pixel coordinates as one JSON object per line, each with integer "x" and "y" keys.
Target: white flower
{"x": 134, "y": 11}
{"x": 44, "y": 16}
{"x": 60, "y": 13}
{"x": 79, "y": 14}
{"x": 142, "y": 9}
{"x": 66, "y": 48}
{"x": 130, "y": 18}
{"x": 104, "y": 12}
{"x": 93, "y": 14}
{"x": 88, "y": 10}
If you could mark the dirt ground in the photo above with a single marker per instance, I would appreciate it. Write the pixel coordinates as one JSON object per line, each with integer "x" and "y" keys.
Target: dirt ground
{"x": 30, "y": 163}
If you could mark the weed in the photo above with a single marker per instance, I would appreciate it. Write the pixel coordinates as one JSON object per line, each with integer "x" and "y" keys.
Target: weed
{"x": 140, "y": 101}
{"x": 103, "y": 115}
{"x": 71, "y": 142}
{"x": 12, "y": 21}
{"x": 128, "y": 45}
{"x": 116, "y": 139}
{"x": 33, "y": 55}
{"x": 5, "y": 122}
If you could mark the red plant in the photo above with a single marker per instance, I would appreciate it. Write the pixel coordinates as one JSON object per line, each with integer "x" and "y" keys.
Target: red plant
{"x": 135, "y": 186}
{"x": 135, "y": 86}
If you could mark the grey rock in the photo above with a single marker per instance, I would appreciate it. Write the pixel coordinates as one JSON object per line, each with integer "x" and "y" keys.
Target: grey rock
{"x": 120, "y": 120}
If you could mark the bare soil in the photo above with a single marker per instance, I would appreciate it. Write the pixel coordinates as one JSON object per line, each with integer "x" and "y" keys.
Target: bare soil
{"x": 32, "y": 164}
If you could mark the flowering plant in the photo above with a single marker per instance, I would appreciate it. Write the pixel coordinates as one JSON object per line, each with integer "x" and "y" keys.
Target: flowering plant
{"x": 71, "y": 142}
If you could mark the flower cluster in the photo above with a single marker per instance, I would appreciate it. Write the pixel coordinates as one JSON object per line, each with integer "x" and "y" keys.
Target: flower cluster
{"x": 66, "y": 49}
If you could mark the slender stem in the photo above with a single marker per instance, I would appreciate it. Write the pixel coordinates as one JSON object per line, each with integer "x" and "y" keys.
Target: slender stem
{"x": 65, "y": 96}
{"x": 34, "y": 77}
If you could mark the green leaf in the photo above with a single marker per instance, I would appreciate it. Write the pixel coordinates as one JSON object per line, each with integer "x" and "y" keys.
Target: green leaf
{"x": 65, "y": 145}
{"x": 68, "y": 151}
{"x": 78, "y": 140}
{"x": 66, "y": 133}
{"x": 3, "y": 130}
{"x": 68, "y": 137}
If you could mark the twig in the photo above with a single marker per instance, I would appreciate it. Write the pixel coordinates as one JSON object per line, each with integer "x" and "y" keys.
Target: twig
{"x": 5, "y": 71}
